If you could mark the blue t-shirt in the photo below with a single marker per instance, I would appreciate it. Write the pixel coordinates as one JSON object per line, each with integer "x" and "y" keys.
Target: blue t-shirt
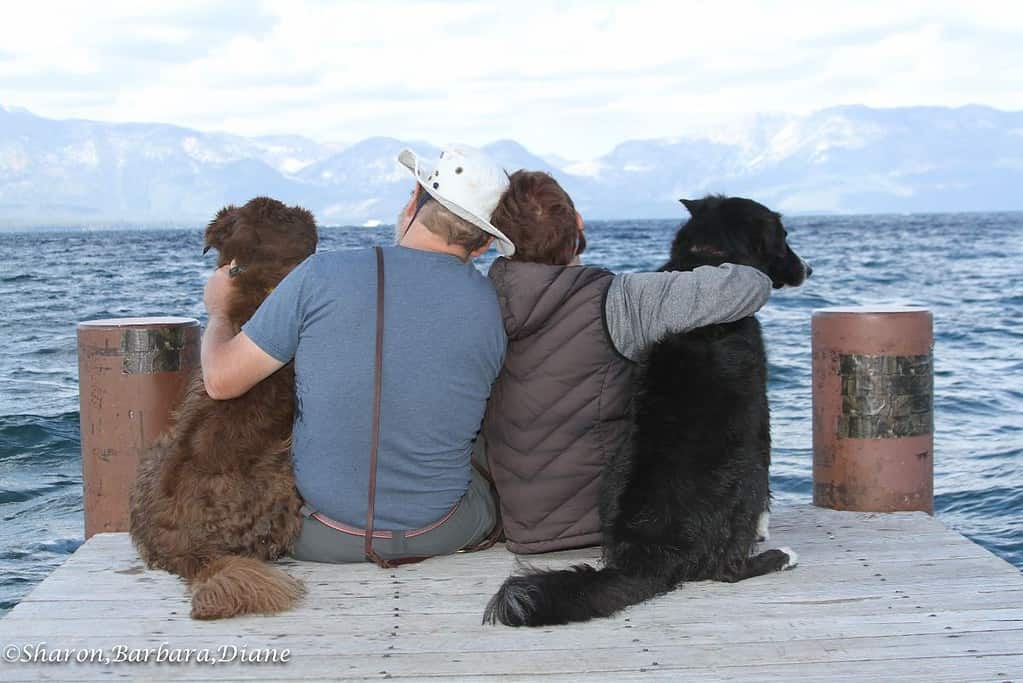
{"x": 444, "y": 344}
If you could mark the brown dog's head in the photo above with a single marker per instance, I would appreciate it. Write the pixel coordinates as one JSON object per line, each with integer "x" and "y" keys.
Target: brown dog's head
{"x": 262, "y": 231}
{"x": 265, "y": 239}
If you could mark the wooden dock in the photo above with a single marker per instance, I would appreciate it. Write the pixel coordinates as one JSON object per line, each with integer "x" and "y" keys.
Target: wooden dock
{"x": 875, "y": 597}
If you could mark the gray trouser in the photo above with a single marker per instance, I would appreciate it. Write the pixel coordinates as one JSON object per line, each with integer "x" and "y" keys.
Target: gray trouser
{"x": 471, "y": 522}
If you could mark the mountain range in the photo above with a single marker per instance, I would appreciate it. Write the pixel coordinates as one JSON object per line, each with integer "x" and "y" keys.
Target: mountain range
{"x": 849, "y": 159}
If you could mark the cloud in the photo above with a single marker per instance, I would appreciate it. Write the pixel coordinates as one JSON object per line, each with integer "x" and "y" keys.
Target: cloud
{"x": 567, "y": 77}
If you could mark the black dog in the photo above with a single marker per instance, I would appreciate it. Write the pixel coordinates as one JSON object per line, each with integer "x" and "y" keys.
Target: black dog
{"x": 688, "y": 502}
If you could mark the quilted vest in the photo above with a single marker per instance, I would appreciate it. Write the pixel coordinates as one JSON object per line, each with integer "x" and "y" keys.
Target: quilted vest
{"x": 561, "y": 407}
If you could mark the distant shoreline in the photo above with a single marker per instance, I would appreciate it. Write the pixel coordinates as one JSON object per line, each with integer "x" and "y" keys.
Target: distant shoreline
{"x": 128, "y": 226}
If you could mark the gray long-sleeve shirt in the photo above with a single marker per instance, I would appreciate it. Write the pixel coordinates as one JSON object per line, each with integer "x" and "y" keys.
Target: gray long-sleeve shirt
{"x": 643, "y": 307}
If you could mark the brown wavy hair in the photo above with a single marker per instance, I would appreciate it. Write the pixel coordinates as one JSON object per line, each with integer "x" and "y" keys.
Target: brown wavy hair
{"x": 539, "y": 218}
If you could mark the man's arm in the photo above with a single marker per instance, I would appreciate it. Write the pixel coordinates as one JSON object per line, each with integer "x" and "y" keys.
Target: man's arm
{"x": 231, "y": 362}
{"x": 643, "y": 307}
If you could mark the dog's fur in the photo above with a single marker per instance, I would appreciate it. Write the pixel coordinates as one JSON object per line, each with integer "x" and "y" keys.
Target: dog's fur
{"x": 215, "y": 497}
{"x": 686, "y": 503}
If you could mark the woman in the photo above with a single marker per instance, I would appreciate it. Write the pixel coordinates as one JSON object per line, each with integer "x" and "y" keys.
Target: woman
{"x": 559, "y": 411}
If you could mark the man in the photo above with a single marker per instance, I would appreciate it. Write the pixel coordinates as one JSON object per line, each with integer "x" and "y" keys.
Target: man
{"x": 443, "y": 345}
{"x": 560, "y": 410}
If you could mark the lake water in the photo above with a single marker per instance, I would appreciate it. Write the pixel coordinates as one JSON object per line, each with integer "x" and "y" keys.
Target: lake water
{"x": 967, "y": 268}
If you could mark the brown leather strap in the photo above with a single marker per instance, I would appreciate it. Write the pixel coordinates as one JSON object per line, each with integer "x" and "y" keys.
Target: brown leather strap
{"x": 375, "y": 433}
{"x": 374, "y": 446}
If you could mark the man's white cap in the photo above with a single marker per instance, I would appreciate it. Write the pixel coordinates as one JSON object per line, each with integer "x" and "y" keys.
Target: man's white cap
{"x": 466, "y": 182}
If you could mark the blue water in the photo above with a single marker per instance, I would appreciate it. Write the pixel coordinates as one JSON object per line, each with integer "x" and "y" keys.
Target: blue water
{"x": 967, "y": 268}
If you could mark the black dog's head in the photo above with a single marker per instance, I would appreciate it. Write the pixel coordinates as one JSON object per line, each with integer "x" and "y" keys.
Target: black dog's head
{"x": 736, "y": 230}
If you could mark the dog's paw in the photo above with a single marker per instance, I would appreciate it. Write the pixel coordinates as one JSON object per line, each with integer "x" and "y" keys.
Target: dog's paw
{"x": 763, "y": 522}
{"x": 793, "y": 557}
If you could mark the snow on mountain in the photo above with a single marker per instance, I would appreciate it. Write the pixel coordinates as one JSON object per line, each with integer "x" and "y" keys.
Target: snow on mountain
{"x": 845, "y": 159}
{"x": 850, "y": 159}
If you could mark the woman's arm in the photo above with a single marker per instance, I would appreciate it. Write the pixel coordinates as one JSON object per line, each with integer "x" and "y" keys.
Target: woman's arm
{"x": 643, "y": 307}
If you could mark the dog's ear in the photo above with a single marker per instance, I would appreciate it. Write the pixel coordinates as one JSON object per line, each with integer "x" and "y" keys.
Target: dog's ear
{"x": 693, "y": 206}
{"x": 245, "y": 240}
{"x": 220, "y": 228}
{"x": 773, "y": 235}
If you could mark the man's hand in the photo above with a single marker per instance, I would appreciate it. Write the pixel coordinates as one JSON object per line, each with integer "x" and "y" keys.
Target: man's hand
{"x": 231, "y": 362}
{"x": 218, "y": 288}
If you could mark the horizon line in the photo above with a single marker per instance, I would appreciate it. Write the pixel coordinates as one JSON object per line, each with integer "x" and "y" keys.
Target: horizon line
{"x": 114, "y": 226}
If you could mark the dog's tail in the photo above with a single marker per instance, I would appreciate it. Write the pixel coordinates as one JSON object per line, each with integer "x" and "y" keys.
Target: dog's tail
{"x": 581, "y": 593}
{"x": 232, "y": 585}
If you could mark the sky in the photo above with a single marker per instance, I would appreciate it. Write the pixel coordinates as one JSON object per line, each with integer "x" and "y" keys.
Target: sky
{"x": 564, "y": 78}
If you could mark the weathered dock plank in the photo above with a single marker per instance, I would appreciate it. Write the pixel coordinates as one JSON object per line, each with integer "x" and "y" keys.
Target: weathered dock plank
{"x": 887, "y": 597}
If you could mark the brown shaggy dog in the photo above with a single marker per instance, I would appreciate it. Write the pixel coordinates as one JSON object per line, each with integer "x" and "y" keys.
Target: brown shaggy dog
{"x": 215, "y": 496}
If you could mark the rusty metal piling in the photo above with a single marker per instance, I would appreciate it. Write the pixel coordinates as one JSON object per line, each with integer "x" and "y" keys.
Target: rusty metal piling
{"x": 132, "y": 373}
{"x": 873, "y": 417}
